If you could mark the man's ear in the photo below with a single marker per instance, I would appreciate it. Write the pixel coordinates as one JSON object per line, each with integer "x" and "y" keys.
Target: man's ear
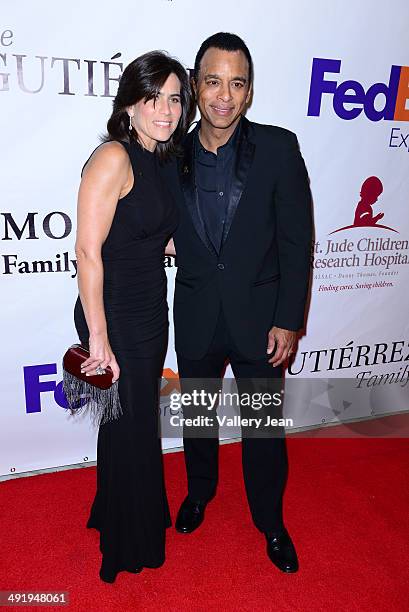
{"x": 193, "y": 85}
{"x": 249, "y": 93}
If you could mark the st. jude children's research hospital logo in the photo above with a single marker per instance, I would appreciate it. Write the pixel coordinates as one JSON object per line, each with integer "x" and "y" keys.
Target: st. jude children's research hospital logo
{"x": 361, "y": 261}
{"x": 364, "y": 216}
{"x": 368, "y": 256}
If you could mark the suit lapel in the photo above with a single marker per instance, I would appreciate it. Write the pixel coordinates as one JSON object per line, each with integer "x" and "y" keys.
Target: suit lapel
{"x": 244, "y": 159}
{"x": 188, "y": 183}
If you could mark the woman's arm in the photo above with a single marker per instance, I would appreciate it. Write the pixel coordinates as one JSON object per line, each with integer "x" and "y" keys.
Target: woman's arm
{"x": 170, "y": 248}
{"x": 105, "y": 179}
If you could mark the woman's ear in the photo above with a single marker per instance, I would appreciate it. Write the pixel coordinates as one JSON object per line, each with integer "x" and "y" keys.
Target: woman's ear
{"x": 130, "y": 110}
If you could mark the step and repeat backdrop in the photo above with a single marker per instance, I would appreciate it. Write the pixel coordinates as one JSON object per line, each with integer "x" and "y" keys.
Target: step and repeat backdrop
{"x": 335, "y": 73}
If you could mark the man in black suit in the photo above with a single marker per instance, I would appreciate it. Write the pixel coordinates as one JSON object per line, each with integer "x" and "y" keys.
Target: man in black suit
{"x": 243, "y": 253}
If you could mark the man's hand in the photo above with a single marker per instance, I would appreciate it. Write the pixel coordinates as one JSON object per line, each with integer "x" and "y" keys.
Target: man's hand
{"x": 284, "y": 340}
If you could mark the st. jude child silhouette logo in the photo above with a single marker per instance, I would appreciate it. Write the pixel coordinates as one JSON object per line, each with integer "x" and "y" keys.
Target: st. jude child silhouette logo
{"x": 371, "y": 190}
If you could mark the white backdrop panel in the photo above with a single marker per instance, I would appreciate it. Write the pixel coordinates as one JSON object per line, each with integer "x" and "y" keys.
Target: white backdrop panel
{"x": 47, "y": 136}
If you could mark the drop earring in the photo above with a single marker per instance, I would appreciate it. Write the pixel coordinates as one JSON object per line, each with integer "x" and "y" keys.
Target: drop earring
{"x": 130, "y": 123}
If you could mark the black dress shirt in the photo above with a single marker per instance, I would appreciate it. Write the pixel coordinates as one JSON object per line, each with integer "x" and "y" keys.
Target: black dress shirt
{"x": 213, "y": 182}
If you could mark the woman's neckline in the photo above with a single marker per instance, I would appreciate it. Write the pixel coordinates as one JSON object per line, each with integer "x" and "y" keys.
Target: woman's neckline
{"x": 142, "y": 148}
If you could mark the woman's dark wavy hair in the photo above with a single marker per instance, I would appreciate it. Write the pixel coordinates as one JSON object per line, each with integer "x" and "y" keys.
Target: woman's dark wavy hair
{"x": 143, "y": 79}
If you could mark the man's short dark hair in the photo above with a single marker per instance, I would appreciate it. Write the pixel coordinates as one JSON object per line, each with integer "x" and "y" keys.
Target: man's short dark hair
{"x": 226, "y": 42}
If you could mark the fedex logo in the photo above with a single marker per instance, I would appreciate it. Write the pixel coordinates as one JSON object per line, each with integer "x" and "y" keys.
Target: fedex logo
{"x": 35, "y": 387}
{"x": 386, "y": 101}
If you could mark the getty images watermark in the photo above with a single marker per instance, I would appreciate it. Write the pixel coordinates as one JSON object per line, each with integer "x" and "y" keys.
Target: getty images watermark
{"x": 255, "y": 401}
{"x": 203, "y": 409}
{"x": 233, "y": 408}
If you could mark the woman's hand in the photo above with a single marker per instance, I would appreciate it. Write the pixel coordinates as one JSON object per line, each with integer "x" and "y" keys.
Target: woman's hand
{"x": 170, "y": 248}
{"x": 101, "y": 356}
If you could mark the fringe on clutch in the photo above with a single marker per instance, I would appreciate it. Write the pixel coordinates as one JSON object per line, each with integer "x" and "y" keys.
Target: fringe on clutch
{"x": 102, "y": 405}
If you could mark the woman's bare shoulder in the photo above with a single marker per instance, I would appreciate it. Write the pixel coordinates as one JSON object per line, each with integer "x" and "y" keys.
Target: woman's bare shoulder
{"x": 110, "y": 156}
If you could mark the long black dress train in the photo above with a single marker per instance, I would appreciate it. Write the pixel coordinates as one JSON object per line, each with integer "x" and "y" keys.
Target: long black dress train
{"x": 130, "y": 508}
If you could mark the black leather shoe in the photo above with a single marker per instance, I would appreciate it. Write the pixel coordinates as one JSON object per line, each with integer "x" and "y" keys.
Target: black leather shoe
{"x": 106, "y": 573}
{"x": 281, "y": 551}
{"x": 190, "y": 515}
{"x": 109, "y": 575}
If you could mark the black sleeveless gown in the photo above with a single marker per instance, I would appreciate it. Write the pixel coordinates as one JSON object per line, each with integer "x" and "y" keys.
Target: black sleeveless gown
{"x": 130, "y": 508}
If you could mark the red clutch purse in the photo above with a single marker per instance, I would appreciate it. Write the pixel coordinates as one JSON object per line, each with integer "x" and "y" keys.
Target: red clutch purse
{"x": 72, "y": 362}
{"x": 96, "y": 394}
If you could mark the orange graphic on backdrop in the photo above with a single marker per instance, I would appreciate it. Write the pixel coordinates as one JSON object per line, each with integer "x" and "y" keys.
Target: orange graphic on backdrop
{"x": 172, "y": 382}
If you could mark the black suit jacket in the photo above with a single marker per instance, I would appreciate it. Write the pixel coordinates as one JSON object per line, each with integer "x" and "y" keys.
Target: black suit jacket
{"x": 260, "y": 276}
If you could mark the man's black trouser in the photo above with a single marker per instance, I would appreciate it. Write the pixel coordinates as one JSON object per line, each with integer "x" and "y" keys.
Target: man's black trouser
{"x": 264, "y": 458}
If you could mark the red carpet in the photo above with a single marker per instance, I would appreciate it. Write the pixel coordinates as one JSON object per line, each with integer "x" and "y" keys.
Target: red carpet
{"x": 346, "y": 508}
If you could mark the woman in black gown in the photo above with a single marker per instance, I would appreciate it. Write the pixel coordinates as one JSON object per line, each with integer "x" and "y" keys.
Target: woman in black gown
{"x": 126, "y": 216}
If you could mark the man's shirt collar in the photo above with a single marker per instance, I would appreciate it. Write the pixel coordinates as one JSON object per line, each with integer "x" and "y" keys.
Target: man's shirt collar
{"x": 231, "y": 144}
